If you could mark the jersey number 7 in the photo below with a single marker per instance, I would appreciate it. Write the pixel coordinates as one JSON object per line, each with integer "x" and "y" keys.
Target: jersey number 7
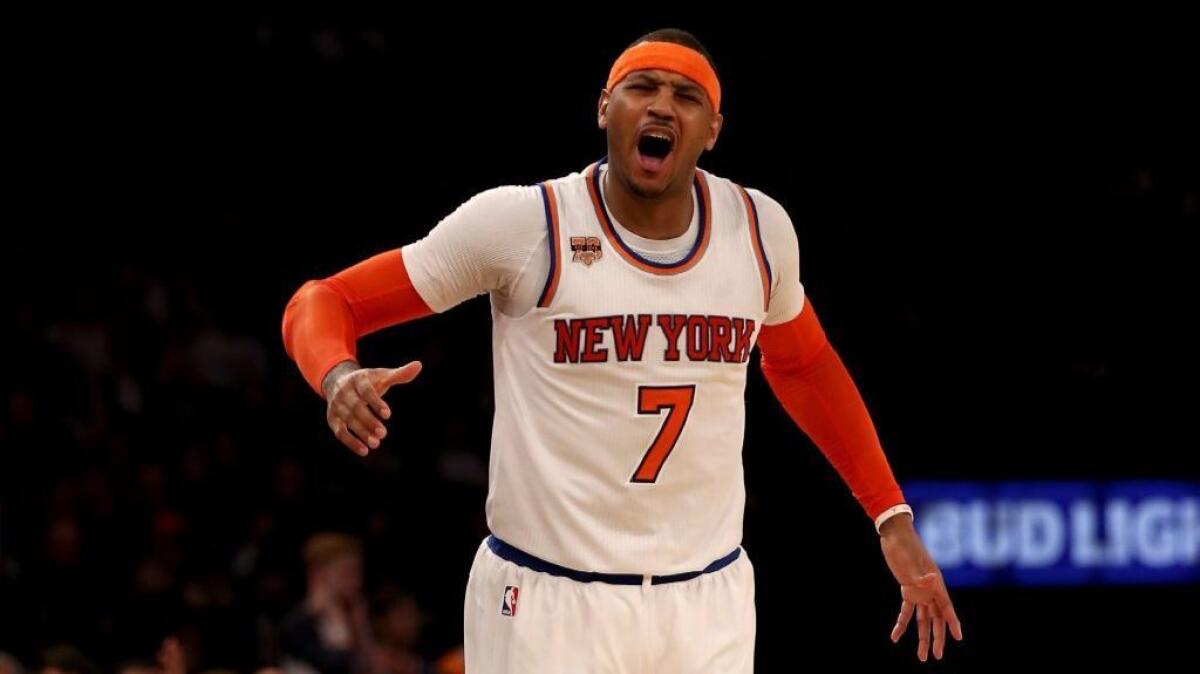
{"x": 677, "y": 401}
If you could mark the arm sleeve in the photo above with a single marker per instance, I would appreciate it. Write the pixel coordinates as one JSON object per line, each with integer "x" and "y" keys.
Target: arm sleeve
{"x": 325, "y": 318}
{"x": 809, "y": 379}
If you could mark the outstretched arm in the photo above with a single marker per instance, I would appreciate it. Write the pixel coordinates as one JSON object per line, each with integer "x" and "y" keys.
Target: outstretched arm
{"x": 321, "y": 327}
{"x": 486, "y": 245}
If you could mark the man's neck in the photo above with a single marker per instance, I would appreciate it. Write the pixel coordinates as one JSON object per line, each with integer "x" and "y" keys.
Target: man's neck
{"x": 663, "y": 217}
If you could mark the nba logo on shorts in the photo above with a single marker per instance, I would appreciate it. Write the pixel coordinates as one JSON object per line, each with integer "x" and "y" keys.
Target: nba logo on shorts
{"x": 508, "y": 606}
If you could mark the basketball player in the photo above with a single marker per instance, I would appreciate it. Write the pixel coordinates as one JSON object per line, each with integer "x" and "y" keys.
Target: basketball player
{"x": 626, "y": 299}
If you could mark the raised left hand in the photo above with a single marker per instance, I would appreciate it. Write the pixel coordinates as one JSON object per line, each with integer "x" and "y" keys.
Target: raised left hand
{"x": 922, "y": 589}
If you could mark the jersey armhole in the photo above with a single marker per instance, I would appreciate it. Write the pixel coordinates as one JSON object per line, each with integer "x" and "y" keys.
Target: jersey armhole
{"x": 756, "y": 241}
{"x": 551, "y": 207}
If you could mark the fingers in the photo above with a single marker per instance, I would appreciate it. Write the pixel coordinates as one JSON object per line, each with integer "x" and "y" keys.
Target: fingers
{"x": 906, "y": 611}
{"x": 366, "y": 425}
{"x": 371, "y": 397}
{"x": 946, "y": 607}
{"x": 400, "y": 375}
{"x": 357, "y": 408}
{"x": 924, "y": 620}
{"x": 348, "y": 427}
{"x": 926, "y": 596}
{"x": 939, "y": 632}
{"x": 343, "y": 434}
{"x": 352, "y": 421}
{"x": 363, "y": 432}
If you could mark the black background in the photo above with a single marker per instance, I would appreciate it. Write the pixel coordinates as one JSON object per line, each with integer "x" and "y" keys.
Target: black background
{"x": 996, "y": 218}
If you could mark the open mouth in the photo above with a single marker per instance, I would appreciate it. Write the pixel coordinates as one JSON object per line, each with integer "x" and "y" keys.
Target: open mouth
{"x": 653, "y": 148}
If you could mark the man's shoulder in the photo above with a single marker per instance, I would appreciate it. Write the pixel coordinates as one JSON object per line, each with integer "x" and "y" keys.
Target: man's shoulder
{"x": 758, "y": 196}
{"x": 525, "y": 198}
{"x": 733, "y": 194}
{"x": 573, "y": 180}
{"x": 503, "y": 196}
{"x": 771, "y": 213}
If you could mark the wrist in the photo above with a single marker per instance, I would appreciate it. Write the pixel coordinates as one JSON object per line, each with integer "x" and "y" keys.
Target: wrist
{"x": 896, "y": 519}
{"x": 336, "y": 373}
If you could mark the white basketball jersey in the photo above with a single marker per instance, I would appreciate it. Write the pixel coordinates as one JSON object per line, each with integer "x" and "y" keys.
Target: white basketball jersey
{"x": 620, "y": 408}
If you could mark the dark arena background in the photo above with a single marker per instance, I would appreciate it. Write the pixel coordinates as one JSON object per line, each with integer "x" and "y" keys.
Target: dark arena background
{"x": 997, "y": 219}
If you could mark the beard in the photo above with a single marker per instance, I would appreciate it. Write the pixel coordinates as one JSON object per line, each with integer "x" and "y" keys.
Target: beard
{"x": 637, "y": 189}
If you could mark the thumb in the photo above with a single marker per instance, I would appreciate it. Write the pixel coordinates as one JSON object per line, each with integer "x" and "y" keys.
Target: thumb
{"x": 400, "y": 375}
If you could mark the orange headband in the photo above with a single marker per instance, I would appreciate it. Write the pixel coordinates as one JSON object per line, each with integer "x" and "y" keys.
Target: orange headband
{"x": 668, "y": 56}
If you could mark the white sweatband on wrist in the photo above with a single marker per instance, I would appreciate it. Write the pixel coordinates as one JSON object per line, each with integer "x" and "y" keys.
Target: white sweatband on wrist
{"x": 891, "y": 512}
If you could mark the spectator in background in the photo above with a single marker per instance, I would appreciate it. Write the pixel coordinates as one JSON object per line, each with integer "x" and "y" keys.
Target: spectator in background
{"x": 397, "y": 621}
{"x": 330, "y": 632}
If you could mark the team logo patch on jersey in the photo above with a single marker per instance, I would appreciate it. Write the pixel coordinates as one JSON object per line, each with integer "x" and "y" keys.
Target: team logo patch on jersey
{"x": 508, "y": 605}
{"x": 585, "y": 249}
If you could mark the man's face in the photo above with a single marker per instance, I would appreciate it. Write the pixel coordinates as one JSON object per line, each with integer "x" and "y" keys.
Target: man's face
{"x": 344, "y": 576}
{"x": 402, "y": 622}
{"x": 658, "y": 123}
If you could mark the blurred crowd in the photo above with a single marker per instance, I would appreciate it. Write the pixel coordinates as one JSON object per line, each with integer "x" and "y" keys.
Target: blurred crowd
{"x": 166, "y": 475}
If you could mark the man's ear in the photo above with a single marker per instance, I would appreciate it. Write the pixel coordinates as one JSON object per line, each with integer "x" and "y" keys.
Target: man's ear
{"x": 602, "y": 109}
{"x": 715, "y": 126}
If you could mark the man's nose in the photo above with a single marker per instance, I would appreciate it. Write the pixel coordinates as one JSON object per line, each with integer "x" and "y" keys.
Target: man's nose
{"x": 662, "y": 105}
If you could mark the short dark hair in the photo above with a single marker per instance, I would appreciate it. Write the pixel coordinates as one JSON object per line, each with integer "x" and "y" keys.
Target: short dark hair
{"x": 677, "y": 36}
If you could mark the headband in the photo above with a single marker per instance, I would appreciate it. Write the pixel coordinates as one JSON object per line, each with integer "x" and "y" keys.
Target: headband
{"x": 671, "y": 57}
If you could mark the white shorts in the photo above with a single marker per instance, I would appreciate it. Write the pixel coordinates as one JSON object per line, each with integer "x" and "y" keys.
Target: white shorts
{"x": 521, "y": 621}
